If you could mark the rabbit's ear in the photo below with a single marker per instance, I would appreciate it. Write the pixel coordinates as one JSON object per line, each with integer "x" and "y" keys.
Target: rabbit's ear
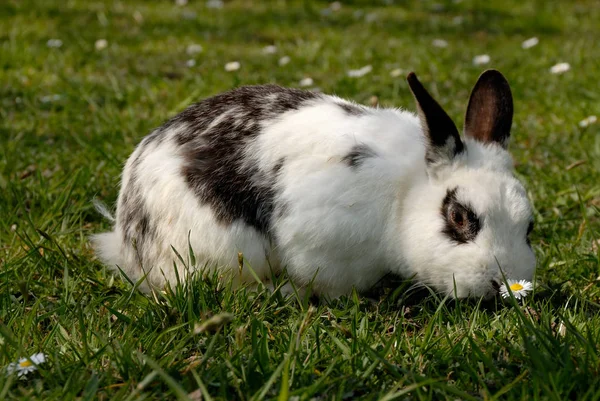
{"x": 490, "y": 111}
{"x": 442, "y": 140}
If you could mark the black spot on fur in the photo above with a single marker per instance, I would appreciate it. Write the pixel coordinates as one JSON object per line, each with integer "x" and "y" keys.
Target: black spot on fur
{"x": 358, "y": 154}
{"x": 461, "y": 224}
{"x": 156, "y": 137}
{"x": 135, "y": 220}
{"x": 352, "y": 109}
{"x": 281, "y": 209}
{"x": 244, "y": 108}
{"x": 278, "y": 166}
{"x": 144, "y": 224}
{"x": 216, "y": 133}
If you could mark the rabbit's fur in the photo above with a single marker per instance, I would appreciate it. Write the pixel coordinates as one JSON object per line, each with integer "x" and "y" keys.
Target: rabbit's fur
{"x": 336, "y": 193}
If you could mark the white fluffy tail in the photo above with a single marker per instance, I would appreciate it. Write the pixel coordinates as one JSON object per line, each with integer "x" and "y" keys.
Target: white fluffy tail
{"x": 107, "y": 247}
{"x": 103, "y": 210}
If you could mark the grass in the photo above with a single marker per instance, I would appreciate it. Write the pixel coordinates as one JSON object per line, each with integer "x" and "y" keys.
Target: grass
{"x": 69, "y": 117}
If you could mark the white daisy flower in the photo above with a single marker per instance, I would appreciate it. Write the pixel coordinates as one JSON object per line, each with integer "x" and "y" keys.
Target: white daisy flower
{"x": 481, "y": 59}
{"x": 519, "y": 288}
{"x": 50, "y": 98}
{"x": 214, "y": 4}
{"x": 26, "y": 365}
{"x": 54, "y": 43}
{"x": 396, "y": 72}
{"x": 335, "y": 6}
{"x": 101, "y": 44}
{"x": 269, "y": 49}
{"x": 587, "y": 121}
{"x": 560, "y": 68}
{"x": 529, "y": 43}
{"x": 194, "y": 48}
{"x": 232, "y": 66}
{"x": 439, "y": 43}
{"x": 360, "y": 72}
{"x": 284, "y": 60}
{"x": 190, "y": 63}
{"x": 306, "y": 81}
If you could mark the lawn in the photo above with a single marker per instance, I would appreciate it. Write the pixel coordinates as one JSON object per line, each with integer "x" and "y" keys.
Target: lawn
{"x": 81, "y": 82}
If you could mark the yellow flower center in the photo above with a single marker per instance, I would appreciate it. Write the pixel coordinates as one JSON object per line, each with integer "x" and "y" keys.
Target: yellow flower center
{"x": 516, "y": 287}
{"x": 25, "y": 364}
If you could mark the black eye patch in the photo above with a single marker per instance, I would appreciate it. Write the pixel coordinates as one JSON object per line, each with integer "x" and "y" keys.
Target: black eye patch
{"x": 461, "y": 223}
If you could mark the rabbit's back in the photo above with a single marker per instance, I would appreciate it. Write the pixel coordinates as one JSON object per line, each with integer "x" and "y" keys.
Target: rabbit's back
{"x": 289, "y": 178}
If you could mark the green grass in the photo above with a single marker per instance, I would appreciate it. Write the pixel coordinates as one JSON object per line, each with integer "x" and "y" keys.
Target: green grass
{"x": 69, "y": 117}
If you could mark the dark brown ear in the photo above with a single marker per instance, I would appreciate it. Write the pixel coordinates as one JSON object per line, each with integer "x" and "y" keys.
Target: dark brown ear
{"x": 443, "y": 141}
{"x": 490, "y": 111}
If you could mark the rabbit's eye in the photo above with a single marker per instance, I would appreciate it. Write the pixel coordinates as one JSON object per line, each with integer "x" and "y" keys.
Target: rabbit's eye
{"x": 462, "y": 224}
{"x": 457, "y": 218}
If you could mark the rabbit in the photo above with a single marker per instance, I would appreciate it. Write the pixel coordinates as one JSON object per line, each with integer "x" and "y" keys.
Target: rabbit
{"x": 263, "y": 179}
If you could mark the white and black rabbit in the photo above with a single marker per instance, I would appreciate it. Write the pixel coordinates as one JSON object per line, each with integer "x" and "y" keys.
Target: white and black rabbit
{"x": 336, "y": 193}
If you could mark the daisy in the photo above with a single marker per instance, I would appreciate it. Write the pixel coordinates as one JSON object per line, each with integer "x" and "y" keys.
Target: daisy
{"x": 396, "y": 72}
{"x": 193, "y": 49}
{"x": 560, "y": 68}
{"x": 54, "y": 43}
{"x": 360, "y": 72}
{"x": 481, "y": 59}
{"x": 26, "y": 365}
{"x": 101, "y": 44}
{"x": 519, "y": 288}
{"x": 306, "y": 82}
{"x": 439, "y": 43}
{"x": 50, "y": 98}
{"x": 587, "y": 121}
{"x": 216, "y": 4}
{"x": 269, "y": 49}
{"x": 284, "y": 60}
{"x": 232, "y": 66}
{"x": 529, "y": 43}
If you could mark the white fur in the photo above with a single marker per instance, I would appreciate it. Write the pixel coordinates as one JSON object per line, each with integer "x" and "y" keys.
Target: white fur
{"x": 344, "y": 227}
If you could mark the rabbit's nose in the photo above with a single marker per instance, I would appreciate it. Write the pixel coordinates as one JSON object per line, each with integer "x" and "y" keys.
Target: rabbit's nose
{"x": 496, "y": 285}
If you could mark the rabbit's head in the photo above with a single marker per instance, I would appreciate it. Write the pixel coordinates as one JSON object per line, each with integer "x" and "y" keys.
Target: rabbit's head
{"x": 466, "y": 229}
